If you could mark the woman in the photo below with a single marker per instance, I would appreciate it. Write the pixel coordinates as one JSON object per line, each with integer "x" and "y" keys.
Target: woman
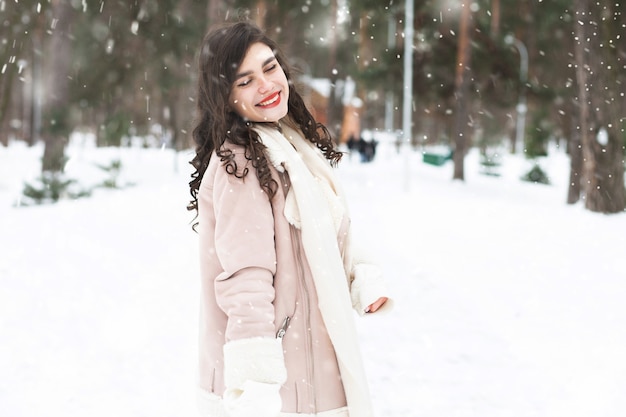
{"x": 279, "y": 280}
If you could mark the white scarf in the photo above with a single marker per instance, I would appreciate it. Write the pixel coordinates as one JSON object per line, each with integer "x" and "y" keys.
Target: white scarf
{"x": 315, "y": 205}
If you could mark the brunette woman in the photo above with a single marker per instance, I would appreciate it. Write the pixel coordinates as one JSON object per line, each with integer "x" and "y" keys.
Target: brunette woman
{"x": 280, "y": 276}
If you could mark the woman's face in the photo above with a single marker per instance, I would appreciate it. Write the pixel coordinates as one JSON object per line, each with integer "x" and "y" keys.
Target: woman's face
{"x": 261, "y": 90}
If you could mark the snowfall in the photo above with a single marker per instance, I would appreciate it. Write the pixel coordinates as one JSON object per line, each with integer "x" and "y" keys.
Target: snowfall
{"x": 508, "y": 301}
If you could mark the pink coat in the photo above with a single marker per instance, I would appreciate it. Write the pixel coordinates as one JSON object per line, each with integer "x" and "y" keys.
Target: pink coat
{"x": 254, "y": 275}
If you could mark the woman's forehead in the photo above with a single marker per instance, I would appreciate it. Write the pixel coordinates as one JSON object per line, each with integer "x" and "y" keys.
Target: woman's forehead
{"x": 258, "y": 52}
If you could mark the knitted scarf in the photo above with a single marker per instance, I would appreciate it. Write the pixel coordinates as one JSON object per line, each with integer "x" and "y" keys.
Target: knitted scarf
{"x": 316, "y": 206}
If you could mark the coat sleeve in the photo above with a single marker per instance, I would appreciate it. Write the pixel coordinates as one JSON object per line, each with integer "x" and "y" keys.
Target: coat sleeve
{"x": 367, "y": 283}
{"x": 244, "y": 242}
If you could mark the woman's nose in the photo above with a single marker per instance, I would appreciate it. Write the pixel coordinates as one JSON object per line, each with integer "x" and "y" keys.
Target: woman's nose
{"x": 264, "y": 85}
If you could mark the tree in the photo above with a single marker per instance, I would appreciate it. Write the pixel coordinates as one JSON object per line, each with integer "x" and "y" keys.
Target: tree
{"x": 495, "y": 18}
{"x": 57, "y": 126}
{"x": 375, "y": 51}
{"x": 461, "y": 84}
{"x": 144, "y": 74}
{"x": 333, "y": 113}
{"x": 601, "y": 59}
{"x": 169, "y": 35}
{"x": 18, "y": 29}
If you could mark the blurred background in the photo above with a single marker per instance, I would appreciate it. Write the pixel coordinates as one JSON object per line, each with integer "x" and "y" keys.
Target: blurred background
{"x": 509, "y": 292}
{"x": 498, "y": 75}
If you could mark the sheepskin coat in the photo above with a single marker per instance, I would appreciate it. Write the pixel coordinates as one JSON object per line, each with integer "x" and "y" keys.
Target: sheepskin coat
{"x": 257, "y": 284}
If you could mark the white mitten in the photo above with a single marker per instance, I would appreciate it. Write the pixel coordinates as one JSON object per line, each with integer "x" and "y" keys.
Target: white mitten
{"x": 254, "y": 399}
{"x": 367, "y": 287}
{"x": 254, "y": 370}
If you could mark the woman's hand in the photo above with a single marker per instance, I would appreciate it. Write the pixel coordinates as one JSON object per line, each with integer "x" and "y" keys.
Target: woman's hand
{"x": 255, "y": 399}
{"x": 376, "y": 305}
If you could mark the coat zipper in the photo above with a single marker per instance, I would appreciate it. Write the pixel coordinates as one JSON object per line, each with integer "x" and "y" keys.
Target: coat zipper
{"x": 305, "y": 300}
{"x": 307, "y": 316}
{"x": 283, "y": 328}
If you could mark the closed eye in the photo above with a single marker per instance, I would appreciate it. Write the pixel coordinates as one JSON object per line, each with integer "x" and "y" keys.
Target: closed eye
{"x": 244, "y": 83}
{"x": 271, "y": 68}
{"x": 268, "y": 66}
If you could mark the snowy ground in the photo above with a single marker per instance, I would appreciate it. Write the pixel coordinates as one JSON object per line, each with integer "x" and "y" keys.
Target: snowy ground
{"x": 508, "y": 301}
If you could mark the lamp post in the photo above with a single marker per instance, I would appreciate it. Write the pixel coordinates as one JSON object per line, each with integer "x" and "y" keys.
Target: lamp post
{"x": 407, "y": 98}
{"x": 521, "y": 103}
{"x": 389, "y": 99}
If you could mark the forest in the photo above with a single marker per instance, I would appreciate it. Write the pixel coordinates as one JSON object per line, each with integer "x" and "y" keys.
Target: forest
{"x": 518, "y": 75}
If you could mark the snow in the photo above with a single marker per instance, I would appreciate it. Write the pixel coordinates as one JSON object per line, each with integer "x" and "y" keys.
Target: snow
{"x": 508, "y": 302}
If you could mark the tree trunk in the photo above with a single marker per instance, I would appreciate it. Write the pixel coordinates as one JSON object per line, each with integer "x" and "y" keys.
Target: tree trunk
{"x": 462, "y": 82}
{"x": 333, "y": 111}
{"x": 261, "y": 13}
{"x": 6, "y": 88}
{"x": 212, "y": 12}
{"x": 576, "y": 164}
{"x": 572, "y": 134}
{"x": 599, "y": 70}
{"x": 10, "y": 54}
{"x": 36, "y": 71}
{"x": 217, "y": 10}
{"x": 495, "y": 19}
{"x": 57, "y": 127}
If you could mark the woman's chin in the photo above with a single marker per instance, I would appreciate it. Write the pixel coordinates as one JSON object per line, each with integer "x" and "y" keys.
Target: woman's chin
{"x": 271, "y": 116}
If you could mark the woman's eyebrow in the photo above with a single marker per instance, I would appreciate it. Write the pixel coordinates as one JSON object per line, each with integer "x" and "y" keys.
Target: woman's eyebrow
{"x": 246, "y": 73}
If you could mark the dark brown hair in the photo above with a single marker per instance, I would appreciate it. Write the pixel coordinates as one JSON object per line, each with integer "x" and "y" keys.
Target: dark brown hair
{"x": 222, "y": 51}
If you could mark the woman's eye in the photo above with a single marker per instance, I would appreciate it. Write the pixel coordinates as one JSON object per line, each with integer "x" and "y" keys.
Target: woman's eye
{"x": 271, "y": 68}
{"x": 244, "y": 83}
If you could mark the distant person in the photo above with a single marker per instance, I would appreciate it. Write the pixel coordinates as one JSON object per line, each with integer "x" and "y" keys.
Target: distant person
{"x": 352, "y": 143}
{"x": 367, "y": 149}
{"x": 279, "y": 274}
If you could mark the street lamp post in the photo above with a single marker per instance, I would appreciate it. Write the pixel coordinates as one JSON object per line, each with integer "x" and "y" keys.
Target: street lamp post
{"x": 407, "y": 98}
{"x": 523, "y": 75}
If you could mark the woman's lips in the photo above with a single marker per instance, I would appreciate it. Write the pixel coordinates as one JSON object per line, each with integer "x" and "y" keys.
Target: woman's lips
{"x": 271, "y": 101}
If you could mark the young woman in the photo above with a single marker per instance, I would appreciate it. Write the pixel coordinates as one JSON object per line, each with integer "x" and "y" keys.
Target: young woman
{"x": 279, "y": 275}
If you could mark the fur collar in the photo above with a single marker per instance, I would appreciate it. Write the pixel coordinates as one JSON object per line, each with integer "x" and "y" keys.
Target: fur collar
{"x": 306, "y": 167}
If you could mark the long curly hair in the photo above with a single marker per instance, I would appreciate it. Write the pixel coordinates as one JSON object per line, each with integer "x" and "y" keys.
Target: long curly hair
{"x": 222, "y": 52}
